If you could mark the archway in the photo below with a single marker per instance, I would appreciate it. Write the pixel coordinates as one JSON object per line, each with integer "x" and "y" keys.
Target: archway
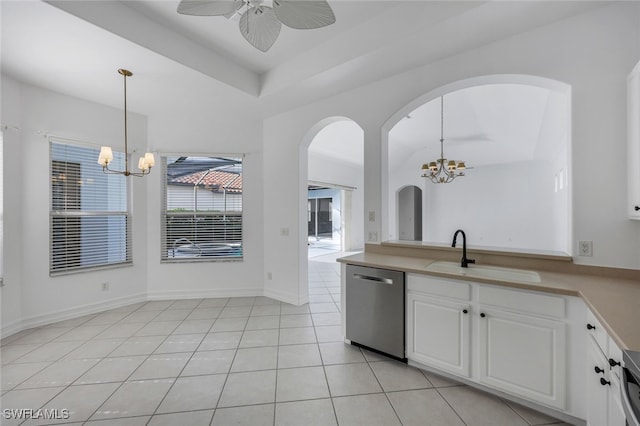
{"x": 515, "y": 133}
{"x": 331, "y": 179}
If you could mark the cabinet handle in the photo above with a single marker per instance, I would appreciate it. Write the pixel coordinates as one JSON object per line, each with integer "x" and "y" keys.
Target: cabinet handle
{"x": 613, "y": 362}
{"x": 591, "y": 327}
{"x": 604, "y": 382}
{"x": 482, "y": 315}
{"x": 598, "y": 370}
{"x": 636, "y": 208}
{"x": 464, "y": 311}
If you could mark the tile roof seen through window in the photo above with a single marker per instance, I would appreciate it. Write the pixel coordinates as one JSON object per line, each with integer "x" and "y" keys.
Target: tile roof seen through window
{"x": 215, "y": 180}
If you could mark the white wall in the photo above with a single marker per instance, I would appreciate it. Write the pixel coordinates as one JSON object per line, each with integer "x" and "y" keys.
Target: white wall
{"x": 592, "y": 52}
{"x": 11, "y": 293}
{"x": 506, "y": 206}
{"x": 41, "y": 298}
{"x": 30, "y": 296}
{"x": 205, "y": 126}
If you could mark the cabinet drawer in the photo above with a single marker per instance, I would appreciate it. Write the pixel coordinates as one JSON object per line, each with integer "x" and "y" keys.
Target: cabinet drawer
{"x": 520, "y": 301}
{"x": 597, "y": 332}
{"x": 439, "y": 287}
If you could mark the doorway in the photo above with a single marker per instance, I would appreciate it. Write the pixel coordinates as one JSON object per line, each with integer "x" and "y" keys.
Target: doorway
{"x": 320, "y": 223}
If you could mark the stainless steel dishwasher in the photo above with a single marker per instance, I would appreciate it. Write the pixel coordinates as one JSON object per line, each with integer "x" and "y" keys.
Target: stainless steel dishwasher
{"x": 375, "y": 309}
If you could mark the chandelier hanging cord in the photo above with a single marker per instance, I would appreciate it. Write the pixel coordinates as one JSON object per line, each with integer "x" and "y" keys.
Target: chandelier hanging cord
{"x": 106, "y": 154}
{"x": 125, "y": 74}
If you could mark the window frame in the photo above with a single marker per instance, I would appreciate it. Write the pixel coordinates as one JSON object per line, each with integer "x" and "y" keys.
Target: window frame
{"x": 126, "y": 214}
{"x": 164, "y": 247}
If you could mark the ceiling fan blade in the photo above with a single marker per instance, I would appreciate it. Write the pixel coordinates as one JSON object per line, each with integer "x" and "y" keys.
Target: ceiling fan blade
{"x": 260, "y": 27}
{"x": 209, "y": 7}
{"x": 305, "y": 14}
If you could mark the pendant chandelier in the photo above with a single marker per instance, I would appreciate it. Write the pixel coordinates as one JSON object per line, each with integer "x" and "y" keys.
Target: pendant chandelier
{"x": 106, "y": 154}
{"x": 443, "y": 170}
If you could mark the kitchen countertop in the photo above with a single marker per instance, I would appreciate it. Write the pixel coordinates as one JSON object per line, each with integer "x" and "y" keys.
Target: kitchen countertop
{"x": 614, "y": 301}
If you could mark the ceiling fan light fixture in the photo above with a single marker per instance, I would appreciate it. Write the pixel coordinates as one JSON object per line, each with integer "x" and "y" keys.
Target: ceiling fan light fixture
{"x": 304, "y": 15}
{"x": 209, "y": 8}
{"x": 260, "y": 24}
{"x": 260, "y": 27}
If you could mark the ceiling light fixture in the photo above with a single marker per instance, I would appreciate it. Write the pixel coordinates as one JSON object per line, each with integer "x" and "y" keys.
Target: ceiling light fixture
{"x": 106, "y": 154}
{"x": 443, "y": 170}
{"x": 260, "y": 24}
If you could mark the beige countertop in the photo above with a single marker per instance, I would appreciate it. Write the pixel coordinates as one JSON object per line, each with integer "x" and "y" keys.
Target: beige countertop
{"x": 614, "y": 301}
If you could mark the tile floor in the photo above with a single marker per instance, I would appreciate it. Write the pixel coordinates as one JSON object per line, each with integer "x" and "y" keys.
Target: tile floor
{"x": 246, "y": 360}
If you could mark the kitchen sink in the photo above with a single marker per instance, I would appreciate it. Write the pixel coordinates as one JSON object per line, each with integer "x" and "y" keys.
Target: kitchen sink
{"x": 486, "y": 272}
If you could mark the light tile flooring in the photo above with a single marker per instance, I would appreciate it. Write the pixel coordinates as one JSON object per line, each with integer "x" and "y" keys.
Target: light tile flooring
{"x": 247, "y": 360}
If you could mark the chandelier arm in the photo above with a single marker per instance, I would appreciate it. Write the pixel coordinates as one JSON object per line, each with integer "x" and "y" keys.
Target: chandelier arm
{"x": 108, "y": 171}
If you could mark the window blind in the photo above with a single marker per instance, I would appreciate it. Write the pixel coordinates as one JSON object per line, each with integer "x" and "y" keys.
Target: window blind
{"x": 89, "y": 222}
{"x": 201, "y": 209}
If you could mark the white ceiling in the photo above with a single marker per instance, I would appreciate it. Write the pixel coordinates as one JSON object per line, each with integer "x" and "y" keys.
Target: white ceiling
{"x": 75, "y": 47}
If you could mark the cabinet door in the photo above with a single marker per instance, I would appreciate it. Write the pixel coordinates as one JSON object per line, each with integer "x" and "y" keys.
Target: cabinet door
{"x": 523, "y": 355}
{"x": 438, "y": 333}
{"x": 615, "y": 412}
{"x": 597, "y": 370}
{"x": 633, "y": 136}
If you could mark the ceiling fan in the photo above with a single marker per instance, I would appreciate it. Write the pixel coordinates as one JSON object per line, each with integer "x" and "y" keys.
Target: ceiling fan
{"x": 260, "y": 23}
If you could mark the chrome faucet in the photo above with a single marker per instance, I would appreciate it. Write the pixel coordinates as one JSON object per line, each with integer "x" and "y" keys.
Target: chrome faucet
{"x": 464, "y": 262}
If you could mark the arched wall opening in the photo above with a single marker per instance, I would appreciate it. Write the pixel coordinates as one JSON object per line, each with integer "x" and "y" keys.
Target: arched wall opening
{"x": 514, "y": 133}
{"x": 331, "y": 156}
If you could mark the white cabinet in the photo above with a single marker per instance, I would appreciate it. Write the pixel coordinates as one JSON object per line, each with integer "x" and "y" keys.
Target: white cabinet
{"x": 596, "y": 390}
{"x": 444, "y": 341}
{"x": 507, "y": 339}
{"x": 603, "y": 377}
{"x": 633, "y": 141}
{"x": 523, "y": 355}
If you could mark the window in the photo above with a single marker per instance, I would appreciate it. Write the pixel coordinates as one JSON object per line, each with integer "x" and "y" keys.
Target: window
{"x": 89, "y": 223}
{"x": 201, "y": 209}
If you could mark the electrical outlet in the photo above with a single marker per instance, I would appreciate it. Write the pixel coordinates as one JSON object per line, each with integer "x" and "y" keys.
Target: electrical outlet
{"x": 105, "y": 286}
{"x": 585, "y": 248}
{"x": 372, "y": 216}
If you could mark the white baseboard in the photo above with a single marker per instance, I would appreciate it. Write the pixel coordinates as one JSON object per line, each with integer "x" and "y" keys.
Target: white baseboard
{"x": 282, "y": 296}
{"x": 203, "y": 294}
{"x": 65, "y": 314}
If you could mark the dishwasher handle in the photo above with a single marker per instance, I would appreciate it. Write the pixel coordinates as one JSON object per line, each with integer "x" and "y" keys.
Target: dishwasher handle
{"x": 375, "y": 279}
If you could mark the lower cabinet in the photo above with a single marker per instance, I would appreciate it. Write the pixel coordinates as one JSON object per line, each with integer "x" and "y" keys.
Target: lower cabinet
{"x": 446, "y": 343}
{"x": 604, "y": 406}
{"x": 507, "y": 339}
{"x": 596, "y": 386}
{"x": 522, "y": 355}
